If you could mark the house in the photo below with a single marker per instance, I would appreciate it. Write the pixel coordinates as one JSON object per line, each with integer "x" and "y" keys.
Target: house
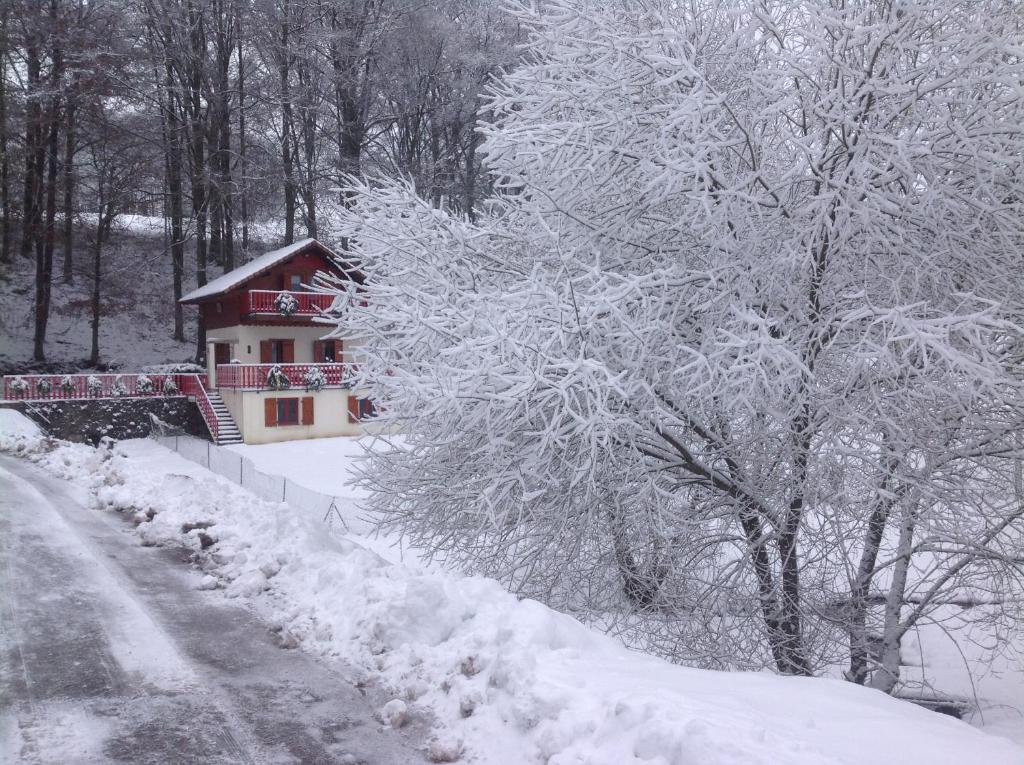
{"x": 271, "y": 375}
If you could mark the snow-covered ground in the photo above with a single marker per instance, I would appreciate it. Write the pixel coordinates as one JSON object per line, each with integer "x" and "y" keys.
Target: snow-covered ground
{"x": 138, "y": 303}
{"x": 504, "y": 680}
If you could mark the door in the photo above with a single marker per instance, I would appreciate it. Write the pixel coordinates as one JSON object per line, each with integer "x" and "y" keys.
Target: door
{"x": 222, "y": 353}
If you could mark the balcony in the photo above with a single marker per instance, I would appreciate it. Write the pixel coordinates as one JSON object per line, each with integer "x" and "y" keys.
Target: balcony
{"x": 267, "y": 303}
{"x": 257, "y": 376}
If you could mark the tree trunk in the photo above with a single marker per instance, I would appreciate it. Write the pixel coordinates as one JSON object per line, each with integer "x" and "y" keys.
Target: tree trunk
{"x": 888, "y": 674}
{"x": 469, "y": 182}
{"x": 5, "y": 163}
{"x": 641, "y": 584}
{"x": 173, "y": 158}
{"x": 778, "y": 642}
{"x": 198, "y": 153}
{"x": 97, "y": 251}
{"x": 790, "y": 616}
{"x": 882, "y": 506}
{"x": 32, "y": 204}
{"x": 44, "y": 247}
{"x": 224, "y": 196}
{"x": 243, "y": 168}
{"x": 287, "y": 127}
{"x": 309, "y": 181}
{"x": 69, "y": 180}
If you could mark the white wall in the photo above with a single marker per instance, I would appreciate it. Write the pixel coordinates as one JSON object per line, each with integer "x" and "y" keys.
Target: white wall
{"x": 245, "y": 340}
{"x": 330, "y": 415}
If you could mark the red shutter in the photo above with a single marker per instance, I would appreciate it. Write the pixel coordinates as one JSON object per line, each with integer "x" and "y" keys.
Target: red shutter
{"x": 270, "y": 412}
{"x": 339, "y": 350}
{"x": 266, "y": 352}
{"x": 288, "y": 351}
{"x": 353, "y": 408}
{"x": 318, "y": 351}
{"x": 307, "y": 410}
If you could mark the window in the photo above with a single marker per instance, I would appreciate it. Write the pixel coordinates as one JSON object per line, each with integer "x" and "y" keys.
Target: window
{"x": 327, "y": 351}
{"x": 360, "y": 409}
{"x": 277, "y": 351}
{"x": 287, "y": 411}
{"x": 295, "y": 282}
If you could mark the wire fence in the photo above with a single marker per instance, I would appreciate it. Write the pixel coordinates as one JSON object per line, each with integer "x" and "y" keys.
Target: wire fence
{"x": 242, "y": 470}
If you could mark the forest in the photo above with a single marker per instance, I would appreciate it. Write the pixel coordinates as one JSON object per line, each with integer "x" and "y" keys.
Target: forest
{"x": 221, "y": 115}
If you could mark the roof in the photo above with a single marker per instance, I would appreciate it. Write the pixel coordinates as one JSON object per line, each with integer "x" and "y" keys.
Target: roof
{"x": 256, "y": 267}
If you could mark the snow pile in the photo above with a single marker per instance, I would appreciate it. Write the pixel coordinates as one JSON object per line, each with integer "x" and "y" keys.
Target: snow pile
{"x": 503, "y": 680}
{"x": 18, "y": 434}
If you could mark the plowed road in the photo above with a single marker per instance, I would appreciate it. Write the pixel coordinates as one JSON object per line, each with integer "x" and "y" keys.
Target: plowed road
{"x": 109, "y": 653}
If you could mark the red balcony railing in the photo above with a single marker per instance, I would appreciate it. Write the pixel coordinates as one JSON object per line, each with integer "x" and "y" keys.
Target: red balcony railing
{"x": 309, "y": 303}
{"x": 256, "y": 376}
{"x": 79, "y": 386}
{"x": 195, "y": 386}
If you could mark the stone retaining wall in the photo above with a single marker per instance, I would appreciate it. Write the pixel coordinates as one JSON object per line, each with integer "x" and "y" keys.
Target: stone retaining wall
{"x": 89, "y": 420}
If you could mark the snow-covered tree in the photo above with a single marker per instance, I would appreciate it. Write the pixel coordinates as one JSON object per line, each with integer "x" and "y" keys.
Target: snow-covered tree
{"x": 739, "y": 342}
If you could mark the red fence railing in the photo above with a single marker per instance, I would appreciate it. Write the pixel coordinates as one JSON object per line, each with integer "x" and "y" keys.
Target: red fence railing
{"x": 308, "y": 303}
{"x": 79, "y": 386}
{"x": 70, "y": 387}
{"x": 195, "y": 386}
{"x": 257, "y": 376}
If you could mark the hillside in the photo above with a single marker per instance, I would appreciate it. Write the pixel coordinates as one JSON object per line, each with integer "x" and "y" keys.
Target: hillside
{"x": 137, "y": 321}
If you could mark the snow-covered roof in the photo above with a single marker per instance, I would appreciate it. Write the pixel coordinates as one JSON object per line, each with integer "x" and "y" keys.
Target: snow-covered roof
{"x": 250, "y": 270}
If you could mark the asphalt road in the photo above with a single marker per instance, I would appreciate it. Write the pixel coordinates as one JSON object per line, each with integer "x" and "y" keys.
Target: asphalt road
{"x": 109, "y": 654}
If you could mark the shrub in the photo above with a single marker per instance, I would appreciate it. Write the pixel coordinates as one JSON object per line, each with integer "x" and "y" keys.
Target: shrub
{"x": 286, "y": 304}
{"x": 18, "y": 386}
{"x": 277, "y": 379}
{"x": 315, "y": 379}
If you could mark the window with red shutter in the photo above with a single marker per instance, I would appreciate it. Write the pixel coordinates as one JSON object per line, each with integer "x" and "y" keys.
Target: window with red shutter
{"x": 287, "y": 411}
{"x": 366, "y": 409}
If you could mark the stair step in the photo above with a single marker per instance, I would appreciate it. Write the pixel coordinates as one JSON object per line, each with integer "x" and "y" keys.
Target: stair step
{"x": 227, "y": 431}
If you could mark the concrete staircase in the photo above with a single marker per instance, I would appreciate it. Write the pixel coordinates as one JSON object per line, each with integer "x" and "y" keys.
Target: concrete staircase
{"x": 227, "y": 430}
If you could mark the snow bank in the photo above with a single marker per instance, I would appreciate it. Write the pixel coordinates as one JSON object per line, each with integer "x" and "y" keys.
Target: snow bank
{"x": 503, "y": 680}
{"x": 18, "y": 434}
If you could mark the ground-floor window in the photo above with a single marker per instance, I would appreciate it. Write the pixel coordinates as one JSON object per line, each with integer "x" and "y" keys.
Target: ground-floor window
{"x": 285, "y": 411}
{"x": 360, "y": 409}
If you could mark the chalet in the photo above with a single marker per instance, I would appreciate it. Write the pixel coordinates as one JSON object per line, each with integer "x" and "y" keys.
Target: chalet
{"x": 271, "y": 375}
